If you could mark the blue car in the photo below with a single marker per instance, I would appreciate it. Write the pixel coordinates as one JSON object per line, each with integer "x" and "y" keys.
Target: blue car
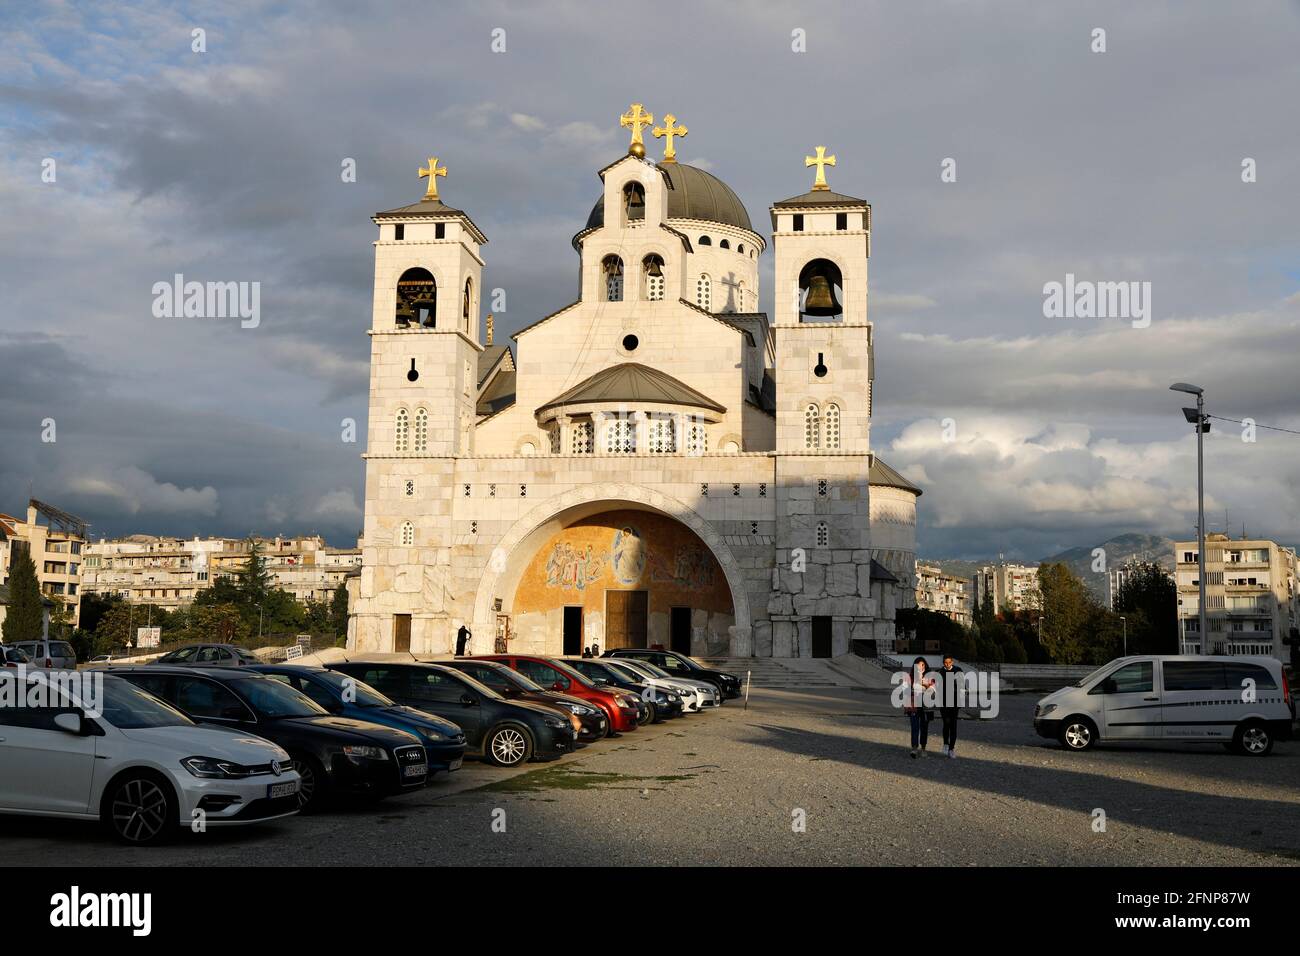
{"x": 349, "y": 697}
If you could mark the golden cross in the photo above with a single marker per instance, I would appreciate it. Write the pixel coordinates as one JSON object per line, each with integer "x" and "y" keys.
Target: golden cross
{"x": 432, "y": 174}
{"x": 821, "y": 161}
{"x": 637, "y": 119}
{"x": 669, "y": 129}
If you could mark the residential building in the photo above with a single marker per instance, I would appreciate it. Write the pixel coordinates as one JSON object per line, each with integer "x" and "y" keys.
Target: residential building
{"x": 170, "y": 572}
{"x": 1251, "y": 600}
{"x": 1006, "y": 587}
{"x": 54, "y": 540}
{"x": 949, "y": 594}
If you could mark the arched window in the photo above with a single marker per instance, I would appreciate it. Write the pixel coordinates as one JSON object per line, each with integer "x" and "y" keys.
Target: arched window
{"x": 417, "y": 299}
{"x": 652, "y": 266}
{"x": 633, "y": 202}
{"x": 821, "y": 291}
{"x": 832, "y": 426}
{"x": 406, "y": 535}
{"x": 611, "y": 268}
{"x": 724, "y": 244}
{"x": 466, "y": 305}
{"x": 823, "y": 535}
{"x": 740, "y": 247}
{"x": 704, "y": 292}
{"x": 705, "y": 241}
{"x": 402, "y": 431}
{"x": 421, "y": 429}
{"x": 811, "y": 427}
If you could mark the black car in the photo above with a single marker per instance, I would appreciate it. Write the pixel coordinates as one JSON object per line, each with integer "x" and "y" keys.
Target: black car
{"x": 207, "y": 655}
{"x": 345, "y": 696}
{"x": 512, "y": 685}
{"x": 680, "y": 665}
{"x": 503, "y": 732}
{"x": 335, "y": 756}
{"x": 664, "y": 705}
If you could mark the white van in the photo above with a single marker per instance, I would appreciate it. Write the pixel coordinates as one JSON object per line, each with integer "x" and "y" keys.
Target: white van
{"x": 1242, "y": 702}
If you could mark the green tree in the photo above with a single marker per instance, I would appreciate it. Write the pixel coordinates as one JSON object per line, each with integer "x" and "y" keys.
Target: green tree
{"x": 219, "y": 624}
{"x": 339, "y": 611}
{"x": 1068, "y": 611}
{"x": 94, "y": 607}
{"x": 1149, "y": 599}
{"x": 254, "y": 580}
{"x": 24, "y": 620}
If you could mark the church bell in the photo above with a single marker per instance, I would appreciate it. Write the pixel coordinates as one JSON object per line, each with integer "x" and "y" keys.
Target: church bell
{"x": 405, "y": 314}
{"x": 821, "y": 297}
{"x": 654, "y": 269}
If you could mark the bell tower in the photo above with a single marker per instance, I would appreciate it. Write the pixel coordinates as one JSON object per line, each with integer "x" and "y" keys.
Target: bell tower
{"x": 425, "y": 329}
{"x": 822, "y": 240}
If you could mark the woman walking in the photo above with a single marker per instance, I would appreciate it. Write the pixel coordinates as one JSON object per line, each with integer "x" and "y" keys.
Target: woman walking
{"x": 914, "y": 705}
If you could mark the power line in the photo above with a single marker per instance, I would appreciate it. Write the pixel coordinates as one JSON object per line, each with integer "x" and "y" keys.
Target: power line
{"x": 1274, "y": 428}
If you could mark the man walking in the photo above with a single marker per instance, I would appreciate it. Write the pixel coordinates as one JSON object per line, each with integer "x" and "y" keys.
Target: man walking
{"x": 948, "y": 679}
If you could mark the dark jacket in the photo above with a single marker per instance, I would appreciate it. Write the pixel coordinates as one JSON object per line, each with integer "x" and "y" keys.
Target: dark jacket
{"x": 946, "y": 682}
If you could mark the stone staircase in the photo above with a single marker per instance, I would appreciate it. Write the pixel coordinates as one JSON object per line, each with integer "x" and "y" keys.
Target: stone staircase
{"x": 773, "y": 672}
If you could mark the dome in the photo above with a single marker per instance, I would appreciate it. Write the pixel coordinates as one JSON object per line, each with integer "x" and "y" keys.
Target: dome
{"x": 692, "y": 194}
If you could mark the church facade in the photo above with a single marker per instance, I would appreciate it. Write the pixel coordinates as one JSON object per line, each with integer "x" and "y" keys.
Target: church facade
{"x": 656, "y": 463}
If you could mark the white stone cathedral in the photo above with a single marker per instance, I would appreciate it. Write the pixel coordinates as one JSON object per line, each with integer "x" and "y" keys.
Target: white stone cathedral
{"x": 655, "y": 464}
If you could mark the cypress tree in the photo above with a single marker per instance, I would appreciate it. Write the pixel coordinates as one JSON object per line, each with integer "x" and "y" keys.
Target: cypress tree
{"x": 24, "y": 618}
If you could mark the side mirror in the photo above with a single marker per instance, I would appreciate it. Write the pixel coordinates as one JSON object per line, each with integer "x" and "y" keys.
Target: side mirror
{"x": 69, "y": 723}
{"x": 467, "y": 700}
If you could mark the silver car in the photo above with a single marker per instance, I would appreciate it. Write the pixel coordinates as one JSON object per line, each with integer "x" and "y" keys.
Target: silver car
{"x": 49, "y": 654}
{"x": 705, "y": 694}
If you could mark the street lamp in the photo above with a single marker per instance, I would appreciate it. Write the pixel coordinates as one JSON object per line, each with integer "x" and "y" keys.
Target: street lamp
{"x": 1124, "y": 621}
{"x": 1196, "y": 416}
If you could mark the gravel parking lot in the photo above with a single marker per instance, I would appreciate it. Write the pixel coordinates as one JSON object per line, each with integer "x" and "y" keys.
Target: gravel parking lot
{"x": 729, "y": 788}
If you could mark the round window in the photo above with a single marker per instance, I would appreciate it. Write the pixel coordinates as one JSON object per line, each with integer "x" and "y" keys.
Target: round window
{"x": 630, "y": 342}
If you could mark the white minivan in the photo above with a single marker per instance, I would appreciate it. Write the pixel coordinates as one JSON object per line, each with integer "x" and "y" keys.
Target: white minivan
{"x": 130, "y": 760}
{"x": 1242, "y": 702}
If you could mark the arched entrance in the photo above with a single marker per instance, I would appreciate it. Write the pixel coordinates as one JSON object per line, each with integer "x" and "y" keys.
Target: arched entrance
{"x": 631, "y": 563}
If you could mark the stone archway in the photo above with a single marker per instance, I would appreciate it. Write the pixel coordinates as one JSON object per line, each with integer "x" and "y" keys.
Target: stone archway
{"x": 517, "y": 547}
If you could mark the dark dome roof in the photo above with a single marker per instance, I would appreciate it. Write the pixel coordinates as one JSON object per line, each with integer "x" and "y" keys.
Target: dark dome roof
{"x": 692, "y": 194}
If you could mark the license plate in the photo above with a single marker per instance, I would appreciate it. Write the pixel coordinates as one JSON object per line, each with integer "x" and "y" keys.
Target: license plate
{"x": 276, "y": 790}
{"x": 455, "y": 764}
{"x": 415, "y": 770}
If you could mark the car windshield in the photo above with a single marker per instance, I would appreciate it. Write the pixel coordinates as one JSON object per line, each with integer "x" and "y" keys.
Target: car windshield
{"x": 365, "y": 695}
{"x": 572, "y": 674}
{"x": 478, "y": 686}
{"x": 1085, "y": 681}
{"x": 61, "y": 649}
{"x": 272, "y": 699}
{"x": 128, "y": 707}
{"x": 653, "y": 669}
{"x": 522, "y": 681}
{"x": 622, "y": 671}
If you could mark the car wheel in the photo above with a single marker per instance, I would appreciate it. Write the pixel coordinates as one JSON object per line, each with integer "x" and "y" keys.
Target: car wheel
{"x": 141, "y": 809}
{"x": 311, "y": 790}
{"x": 508, "y": 746}
{"x": 652, "y": 713}
{"x": 1253, "y": 739}
{"x": 1078, "y": 733}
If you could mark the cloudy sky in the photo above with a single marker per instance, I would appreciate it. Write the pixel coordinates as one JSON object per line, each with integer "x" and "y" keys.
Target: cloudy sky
{"x": 1123, "y": 165}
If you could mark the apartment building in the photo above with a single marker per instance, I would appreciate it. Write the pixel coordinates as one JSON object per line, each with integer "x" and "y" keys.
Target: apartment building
{"x": 170, "y": 572}
{"x": 1251, "y": 600}
{"x": 54, "y": 539}
{"x": 949, "y": 594}
{"x": 1009, "y": 587}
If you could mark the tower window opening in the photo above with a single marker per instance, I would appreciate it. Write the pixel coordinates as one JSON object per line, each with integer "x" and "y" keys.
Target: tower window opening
{"x": 633, "y": 202}
{"x": 440, "y": 230}
{"x": 796, "y": 222}
{"x": 402, "y": 431}
{"x": 811, "y": 427}
{"x": 417, "y": 299}
{"x": 653, "y": 268}
{"x": 406, "y": 535}
{"x": 724, "y": 244}
{"x": 704, "y": 293}
{"x": 705, "y": 241}
{"x": 612, "y": 270}
{"x": 832, "y": 426}
{"x": 582, "y": 441}
{"x": 823, "y": 535}
{"x": 399, "y": 232}
{"x": 422, "y": 429}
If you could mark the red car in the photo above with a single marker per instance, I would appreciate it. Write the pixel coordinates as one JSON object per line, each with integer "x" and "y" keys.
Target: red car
{"x": 623, "y": 709}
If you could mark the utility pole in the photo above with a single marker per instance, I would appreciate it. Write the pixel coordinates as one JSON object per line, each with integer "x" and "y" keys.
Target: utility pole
{"x": 1196, "y": 416}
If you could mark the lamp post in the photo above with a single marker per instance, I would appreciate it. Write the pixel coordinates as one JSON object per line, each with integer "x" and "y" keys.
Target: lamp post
{"x": 1124, "y": 621}
{"x": 1196, "y": 416}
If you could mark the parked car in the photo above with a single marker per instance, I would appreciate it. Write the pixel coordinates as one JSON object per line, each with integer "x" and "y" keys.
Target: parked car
{"x": 1242, "y": 702}
{"x": 11, "y": 656}
{"x": 503, "y": 732}
{"x": 207, "y": 655}
{"x": 335, "y": 756}
{"x": 345, "y": 696}
{"x": 682, "y": 665}
{"x": 705, "y": 694}
{"x": 624, "y": 711}
{"x": 137, "y": 764}
{"x": 665, "y": 702}
{"x": 49, "y": 654}
{"x": 589, "y": 720}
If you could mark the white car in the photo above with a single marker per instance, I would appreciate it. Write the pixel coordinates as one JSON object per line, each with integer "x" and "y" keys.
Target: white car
{"x": 1243, "y": 703}
{"x": 136, "y": 763}
{"x": 701, "y": 694}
